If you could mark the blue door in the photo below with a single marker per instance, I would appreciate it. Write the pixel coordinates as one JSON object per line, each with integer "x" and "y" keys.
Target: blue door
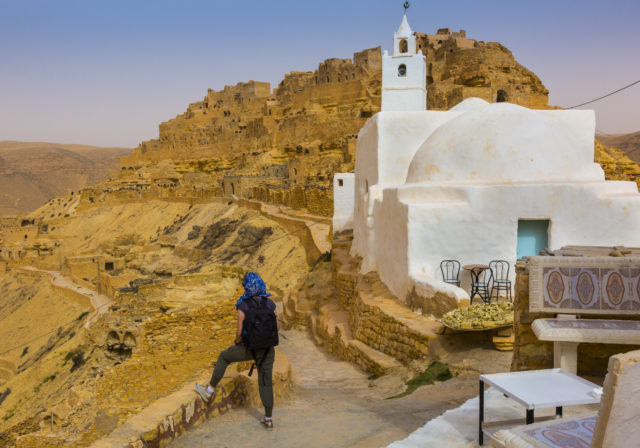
{"x": 533, "y": 236}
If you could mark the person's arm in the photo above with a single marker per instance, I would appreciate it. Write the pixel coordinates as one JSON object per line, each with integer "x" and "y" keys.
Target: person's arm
{"x": 277, "y": 321}
{"x": 239, "y": 330}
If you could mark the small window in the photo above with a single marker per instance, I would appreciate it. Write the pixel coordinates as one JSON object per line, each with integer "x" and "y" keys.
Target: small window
{"x": 501, "y": 96}
{"x": 108, "y": 266}
{"x": 402, "y": 71}
{"x": 404, "y": 46}
{"x": 366, "y": 186}
{"x": 340, "y": 182}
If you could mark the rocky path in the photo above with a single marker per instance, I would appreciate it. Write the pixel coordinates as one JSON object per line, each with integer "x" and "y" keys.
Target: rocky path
{"x": 99, "y": 302}
{"x": 333, "y": 405}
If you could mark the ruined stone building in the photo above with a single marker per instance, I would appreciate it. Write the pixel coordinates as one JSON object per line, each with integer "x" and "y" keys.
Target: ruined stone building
{"x": 284, "y": 145}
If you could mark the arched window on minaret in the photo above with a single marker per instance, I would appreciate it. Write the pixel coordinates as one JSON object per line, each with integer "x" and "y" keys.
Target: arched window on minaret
{"x": 404, "y": 46}
{"x": 402, "y": 70}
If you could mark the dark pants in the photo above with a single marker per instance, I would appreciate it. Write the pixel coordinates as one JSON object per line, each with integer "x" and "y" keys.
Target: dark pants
{"x": 239, "y": 353}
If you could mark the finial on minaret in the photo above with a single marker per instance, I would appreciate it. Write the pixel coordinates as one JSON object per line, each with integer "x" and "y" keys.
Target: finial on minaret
{"x": 406, "y": 6}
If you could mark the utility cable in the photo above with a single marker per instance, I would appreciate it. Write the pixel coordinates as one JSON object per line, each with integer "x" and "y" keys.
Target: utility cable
{"x": 605, "y": 96}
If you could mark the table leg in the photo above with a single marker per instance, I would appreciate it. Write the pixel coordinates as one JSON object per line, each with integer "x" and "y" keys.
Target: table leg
{"x": 474, "y": 289}
{"x": 481, "y": 414}
{"x": 559, "y": 411}
{"x": 565, "y": 356}
{"x": 529, "y": 416}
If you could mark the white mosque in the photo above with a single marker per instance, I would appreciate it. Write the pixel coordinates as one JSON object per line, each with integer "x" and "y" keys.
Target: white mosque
{"x": 476, "y": 183}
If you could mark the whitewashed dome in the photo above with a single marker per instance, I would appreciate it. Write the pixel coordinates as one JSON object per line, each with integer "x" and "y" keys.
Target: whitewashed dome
{"x": 503, "y": 143}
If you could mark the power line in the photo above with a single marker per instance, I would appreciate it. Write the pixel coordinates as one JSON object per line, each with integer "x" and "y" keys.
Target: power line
{"x": 605, "y": 96}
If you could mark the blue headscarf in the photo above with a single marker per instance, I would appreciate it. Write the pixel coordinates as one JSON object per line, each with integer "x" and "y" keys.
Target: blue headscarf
{"x": 254, "y": 286}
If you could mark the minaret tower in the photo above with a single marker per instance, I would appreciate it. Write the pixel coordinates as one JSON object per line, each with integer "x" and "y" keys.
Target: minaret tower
{"x": 404, "y": 75}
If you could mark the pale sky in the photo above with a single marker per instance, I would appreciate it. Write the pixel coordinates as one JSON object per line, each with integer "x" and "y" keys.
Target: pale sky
{"x": 108, "y": 72}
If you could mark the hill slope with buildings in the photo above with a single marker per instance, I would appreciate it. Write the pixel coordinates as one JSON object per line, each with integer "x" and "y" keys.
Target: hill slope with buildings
{"x": 168, "y": 250}
{"x": 283, "y": 146}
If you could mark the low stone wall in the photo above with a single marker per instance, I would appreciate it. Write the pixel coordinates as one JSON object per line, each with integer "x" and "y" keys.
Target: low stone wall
{"x": 170, "y": 417}
{"x": 345, "y": 282}
{"x": 336, "y": 336}
{"x": 379, "y": 329}
{"x": 318, "y": 201}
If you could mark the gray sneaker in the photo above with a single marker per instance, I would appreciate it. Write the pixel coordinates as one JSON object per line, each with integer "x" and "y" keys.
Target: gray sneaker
{"x": 268, "y": 424}
{"x": 203, "y": 391}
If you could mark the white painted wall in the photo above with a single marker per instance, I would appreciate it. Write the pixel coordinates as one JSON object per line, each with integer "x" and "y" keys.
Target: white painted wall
{"x": 437, "y": 185}
{"x": 404, "y": 93}
{"x": 343, "y": 201}
{"x": 385, "y": 148}
{"x": 476, "y": 224}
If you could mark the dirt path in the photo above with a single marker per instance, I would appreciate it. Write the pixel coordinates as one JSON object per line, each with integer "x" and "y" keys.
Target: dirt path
{"x": 99, "y": 302}
{"x": 333, "y": 405}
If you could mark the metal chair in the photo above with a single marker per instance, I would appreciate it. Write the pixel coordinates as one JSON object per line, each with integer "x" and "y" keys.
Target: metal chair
{"x": 501, "y": 282}
{"x": 450, "y": 271}
{"x": 481, "y": 284}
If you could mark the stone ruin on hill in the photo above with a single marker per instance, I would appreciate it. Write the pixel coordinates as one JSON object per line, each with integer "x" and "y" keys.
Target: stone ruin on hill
{"x": 283, "y": 146}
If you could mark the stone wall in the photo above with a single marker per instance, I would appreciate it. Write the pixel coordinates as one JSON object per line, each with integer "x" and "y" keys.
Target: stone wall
{"x": 384, "y": 332}
{"x": 529, "y": 353}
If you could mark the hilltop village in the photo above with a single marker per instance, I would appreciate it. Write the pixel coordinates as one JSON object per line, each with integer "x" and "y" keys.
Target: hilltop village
{"x": 119, "y": 295}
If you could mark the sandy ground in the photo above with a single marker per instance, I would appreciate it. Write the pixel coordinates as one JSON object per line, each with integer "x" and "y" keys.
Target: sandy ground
{"x": 333, "y": 405}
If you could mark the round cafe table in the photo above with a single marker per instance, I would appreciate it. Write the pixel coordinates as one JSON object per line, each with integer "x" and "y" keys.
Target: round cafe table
{"x": 477, "y": 287}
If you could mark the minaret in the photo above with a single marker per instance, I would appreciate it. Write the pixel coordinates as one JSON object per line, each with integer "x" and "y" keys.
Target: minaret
{"x": 404, "y": 75}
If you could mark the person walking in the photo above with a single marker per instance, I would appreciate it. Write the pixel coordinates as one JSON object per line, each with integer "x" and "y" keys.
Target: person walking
{"x": 256, "y": 337}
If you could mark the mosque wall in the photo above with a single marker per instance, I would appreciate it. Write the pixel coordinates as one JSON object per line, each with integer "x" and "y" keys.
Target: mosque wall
{"x": 479, "y": 223}
{"x": 343, "y": 201}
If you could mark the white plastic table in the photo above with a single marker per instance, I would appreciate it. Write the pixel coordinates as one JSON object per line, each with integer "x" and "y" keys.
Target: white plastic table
{"x": 537, "y": 389}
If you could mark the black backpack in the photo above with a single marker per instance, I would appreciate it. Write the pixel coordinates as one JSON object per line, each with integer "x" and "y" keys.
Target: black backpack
{"x": 259, "y": 328}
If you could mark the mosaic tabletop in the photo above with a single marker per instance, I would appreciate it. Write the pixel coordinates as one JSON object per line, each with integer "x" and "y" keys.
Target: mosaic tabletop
{"x": 568, "y": 434}
{"x": 588, "y": 330}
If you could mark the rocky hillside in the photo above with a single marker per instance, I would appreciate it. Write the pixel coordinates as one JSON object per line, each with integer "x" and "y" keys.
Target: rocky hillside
{"x": 283, "y": 146}
{"x": 616, "y": 164}
{"x": 629, "y": 143}
{"x": 33, "y": 173}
